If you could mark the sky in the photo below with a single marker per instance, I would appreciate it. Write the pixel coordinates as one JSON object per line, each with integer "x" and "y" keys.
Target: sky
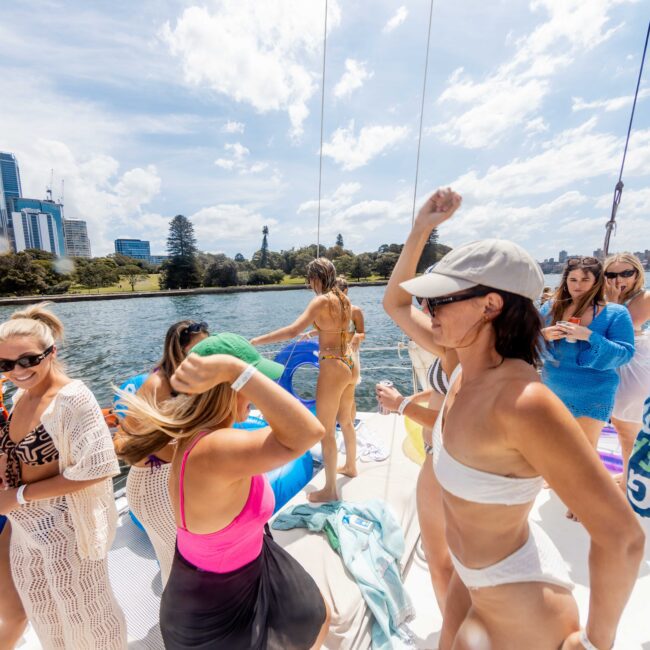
{"x": 213, "y": 110}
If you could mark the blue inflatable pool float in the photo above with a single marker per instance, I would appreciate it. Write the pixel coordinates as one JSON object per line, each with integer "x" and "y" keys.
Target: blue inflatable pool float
{"x": 294, "y": 356}
{"x": 288, "y": 480}
{"x": 132, "y": 386}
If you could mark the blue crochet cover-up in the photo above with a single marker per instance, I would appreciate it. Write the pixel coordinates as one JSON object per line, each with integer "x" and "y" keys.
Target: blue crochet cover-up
{"x": 583, "y": 374}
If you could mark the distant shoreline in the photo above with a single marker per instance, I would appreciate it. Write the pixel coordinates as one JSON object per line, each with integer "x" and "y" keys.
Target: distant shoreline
{"x": 83, "y": 297}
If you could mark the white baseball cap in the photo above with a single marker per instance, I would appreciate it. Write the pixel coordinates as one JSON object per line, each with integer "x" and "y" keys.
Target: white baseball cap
{"x": 494, "y": 263}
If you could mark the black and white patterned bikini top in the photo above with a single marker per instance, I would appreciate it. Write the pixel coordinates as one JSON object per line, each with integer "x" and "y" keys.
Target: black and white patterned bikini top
{"x": 36, "y": 448}
{"x": 437, "y": 377}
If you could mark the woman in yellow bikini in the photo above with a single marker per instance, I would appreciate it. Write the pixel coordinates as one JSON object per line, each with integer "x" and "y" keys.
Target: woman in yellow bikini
{"x": 329, "y": 312}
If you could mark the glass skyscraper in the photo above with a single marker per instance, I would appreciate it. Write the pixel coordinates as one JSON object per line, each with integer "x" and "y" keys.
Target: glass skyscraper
{"x": 10, "y": 188}
{"x": 139, "y": 249}
{"x": 37, "y": 224}
{"x": 77, "y": 243}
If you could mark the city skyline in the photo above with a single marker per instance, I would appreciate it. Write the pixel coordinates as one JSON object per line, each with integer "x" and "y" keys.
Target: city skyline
{"x": 525, "y": 115}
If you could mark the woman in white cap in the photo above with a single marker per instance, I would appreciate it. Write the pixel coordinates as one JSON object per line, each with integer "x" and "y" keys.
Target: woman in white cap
{"x": 500, "y": 433}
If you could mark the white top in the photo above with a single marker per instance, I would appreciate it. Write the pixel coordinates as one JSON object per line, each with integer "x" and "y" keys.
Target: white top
{"x": 76, "y": 425}
{"x": 473, "y": 484}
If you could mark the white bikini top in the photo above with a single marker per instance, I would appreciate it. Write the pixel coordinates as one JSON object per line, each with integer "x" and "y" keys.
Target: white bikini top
{"x": 476, "y": 485}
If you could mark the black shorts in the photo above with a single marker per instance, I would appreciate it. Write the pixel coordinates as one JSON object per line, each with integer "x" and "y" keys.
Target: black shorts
{"x": 271, "y": 603}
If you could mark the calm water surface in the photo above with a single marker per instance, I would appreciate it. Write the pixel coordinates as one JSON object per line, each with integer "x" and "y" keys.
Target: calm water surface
{"x": 108, "y": 341}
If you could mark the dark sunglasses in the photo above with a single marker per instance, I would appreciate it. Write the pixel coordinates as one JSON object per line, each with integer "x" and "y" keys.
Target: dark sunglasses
{"x": 432, "y": 303}
{"x": 628, "y": 273}
{"x": 194, "y": 328}
{"x": 29, "y": 361}
{"x": 582, "y": 261}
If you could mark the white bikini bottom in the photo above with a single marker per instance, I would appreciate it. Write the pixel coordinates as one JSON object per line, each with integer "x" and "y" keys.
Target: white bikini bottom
{"x": 538, "y": 560}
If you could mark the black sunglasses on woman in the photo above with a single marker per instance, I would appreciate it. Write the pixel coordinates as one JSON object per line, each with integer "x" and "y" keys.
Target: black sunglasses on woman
{"x": 27, "y": 361}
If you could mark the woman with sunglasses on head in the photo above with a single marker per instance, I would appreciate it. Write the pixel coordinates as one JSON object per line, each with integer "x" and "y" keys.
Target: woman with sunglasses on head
{"x": 330, "y": 314}
{"x": 416, "y": 323}
{"x": 147, "y": 489}
{"x": 59, "y": 464}
{"x": 500, "y": 433}
{"x": 231, "y": 586}
{"x": 625, "y": 285}
{"x": 588, "y": 340}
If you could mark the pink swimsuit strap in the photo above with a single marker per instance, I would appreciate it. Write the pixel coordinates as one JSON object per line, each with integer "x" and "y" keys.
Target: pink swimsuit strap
{"x": 181, "y": 490}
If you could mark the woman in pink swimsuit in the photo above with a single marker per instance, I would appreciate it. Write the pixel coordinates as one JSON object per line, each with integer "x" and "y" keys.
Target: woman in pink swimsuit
{"x": 231, "y": 586}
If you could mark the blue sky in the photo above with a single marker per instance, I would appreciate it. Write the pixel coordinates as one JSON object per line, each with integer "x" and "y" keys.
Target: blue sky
{"x": 212, "y": 110}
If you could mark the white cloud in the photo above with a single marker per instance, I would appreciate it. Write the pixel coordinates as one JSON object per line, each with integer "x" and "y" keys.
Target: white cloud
{"x": 536, "y": 125}
{"x": 572, "y": 156}
{"x": 262, "y": 53}
{"x": 352, "y": 151}
{"x": 608, "y": 105}
{"x": 396, "y": 20}
{"x": 353, "y": 78}
{"x": 233, "y": 127}
{"x": 340, "y": 213}
{"x": 221, "y": 225}
{"x": 514, "y": 92}
{"x": 237, "y": 161}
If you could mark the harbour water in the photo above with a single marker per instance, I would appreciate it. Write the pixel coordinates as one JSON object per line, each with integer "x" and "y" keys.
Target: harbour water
{"x": 109, "y": 341}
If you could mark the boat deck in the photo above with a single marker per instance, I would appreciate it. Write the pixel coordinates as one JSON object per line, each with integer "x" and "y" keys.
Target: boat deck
{"x": 136, "y": 579}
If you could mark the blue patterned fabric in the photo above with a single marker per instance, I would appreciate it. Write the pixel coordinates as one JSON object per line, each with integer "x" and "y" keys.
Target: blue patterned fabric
{"x": 583, "y": 374}
{"x": 3, "y": 521}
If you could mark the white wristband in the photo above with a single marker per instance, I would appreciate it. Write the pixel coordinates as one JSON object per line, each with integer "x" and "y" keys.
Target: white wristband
{"x": 403, "y": 404}
{"x": 19, "y": 495}
{"x": 242, "y": 380}
{"x": 586, "y": 643}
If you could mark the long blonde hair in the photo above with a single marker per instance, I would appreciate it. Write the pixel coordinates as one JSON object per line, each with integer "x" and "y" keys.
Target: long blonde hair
{"x": 151, "y": 425}
{"x": 35, "y": 321}
{"x": 324, "y": 271}
{"x": 596, "y": 295}
{"x": 634, "y": 261}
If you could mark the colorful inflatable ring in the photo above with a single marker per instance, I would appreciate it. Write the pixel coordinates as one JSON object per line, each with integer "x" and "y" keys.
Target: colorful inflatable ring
{"x": 132, "y": 385}
{"x": 413, "y": 446}
{"x": 292, "y": 357}
{"x": 289, "y": 479}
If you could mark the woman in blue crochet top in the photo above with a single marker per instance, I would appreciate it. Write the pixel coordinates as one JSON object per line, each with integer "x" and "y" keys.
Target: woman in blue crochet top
{"x": 583, "y": 355}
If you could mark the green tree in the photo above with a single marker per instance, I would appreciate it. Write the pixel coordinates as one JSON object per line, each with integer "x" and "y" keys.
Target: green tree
{"x": 133, "y": 274}
{"x": 239, "y": 258}
{"x": 344, "y": 264}
{"x": 362, "y": 266}
{"x": 181, "y": 270}
{"x": 20, "y": 275}
{"x": 264, "y": 251}
{"x": 221, "y": 273}
{"x": 385, "y": 264}
{"x": 339, "y": 240}
{"x": 265, "y": 276}
{"x": 97, "y": 273}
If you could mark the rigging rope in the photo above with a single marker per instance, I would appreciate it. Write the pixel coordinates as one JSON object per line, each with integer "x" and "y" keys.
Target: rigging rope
{"x": 322, "y": 113}
{"x": 618, "y": 190}
{"x": 424, "y": 91}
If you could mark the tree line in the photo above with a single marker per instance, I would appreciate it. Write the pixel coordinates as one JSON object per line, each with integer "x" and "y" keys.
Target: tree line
{"x": 187, "y": 267}
{"x": 34, "y": 271}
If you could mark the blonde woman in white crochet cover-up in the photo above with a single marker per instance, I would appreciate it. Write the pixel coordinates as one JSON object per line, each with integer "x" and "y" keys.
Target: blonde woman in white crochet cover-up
{"x": 60, "y": 460}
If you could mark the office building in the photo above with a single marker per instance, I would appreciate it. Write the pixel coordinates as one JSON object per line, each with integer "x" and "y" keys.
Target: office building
{"x": 563, "y": 257}
{"x": 37, "y": 224}
{"x": 77, "y": 243}
{"x": 10, "y": 188}
{"x": 138, "y": 249}
{"x": 158, "y": 259}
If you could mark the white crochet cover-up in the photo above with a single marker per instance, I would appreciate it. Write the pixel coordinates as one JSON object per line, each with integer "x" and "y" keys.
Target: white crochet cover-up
{"x": 147, "y": 491}
{"x": 59, "y": 546}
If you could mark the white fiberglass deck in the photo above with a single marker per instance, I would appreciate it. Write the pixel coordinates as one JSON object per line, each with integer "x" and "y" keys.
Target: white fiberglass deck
{"x": 136, "y": 580}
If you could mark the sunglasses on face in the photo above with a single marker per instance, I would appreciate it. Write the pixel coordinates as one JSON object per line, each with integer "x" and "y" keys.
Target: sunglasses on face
{"x": 432, "y": 303}
{"x": 582, "y": 261}
{"x": 187, "y": 332}
{"x": 628, "y": 273}
{"x": 28, "y": 361}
